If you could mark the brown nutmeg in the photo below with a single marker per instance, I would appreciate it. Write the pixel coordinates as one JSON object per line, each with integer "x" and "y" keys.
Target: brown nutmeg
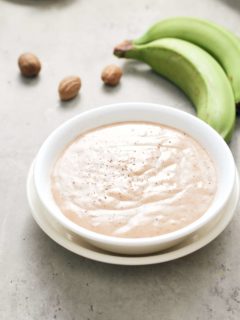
{"x": 111, "y": 75}
{"x": 29, "y": 65}
{"x": 69, "y": 87}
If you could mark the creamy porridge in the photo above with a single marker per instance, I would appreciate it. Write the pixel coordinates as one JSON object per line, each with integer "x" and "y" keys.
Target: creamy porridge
{"x": 134, "y": 179}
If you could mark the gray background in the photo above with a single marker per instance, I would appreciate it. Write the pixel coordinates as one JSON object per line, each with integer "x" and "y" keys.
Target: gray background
{"x": 39, "y": 279}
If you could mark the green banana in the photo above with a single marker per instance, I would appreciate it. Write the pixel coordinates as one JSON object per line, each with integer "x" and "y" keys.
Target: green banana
{"x": 223, "y": 45}
{"x": 196, "y": 72}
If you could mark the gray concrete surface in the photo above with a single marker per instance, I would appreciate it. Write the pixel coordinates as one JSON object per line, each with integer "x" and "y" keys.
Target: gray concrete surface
{"x": 39, "y": 279}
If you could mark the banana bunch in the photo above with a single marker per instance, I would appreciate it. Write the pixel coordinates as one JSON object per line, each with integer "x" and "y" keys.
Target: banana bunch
{"x": 201, "y": 58}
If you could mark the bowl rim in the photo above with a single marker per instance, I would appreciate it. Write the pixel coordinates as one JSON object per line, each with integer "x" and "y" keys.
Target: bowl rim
{"x": 119, "y": 241}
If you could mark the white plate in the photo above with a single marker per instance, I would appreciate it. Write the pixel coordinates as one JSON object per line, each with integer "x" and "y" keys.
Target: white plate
{"x": 80, "y": 247}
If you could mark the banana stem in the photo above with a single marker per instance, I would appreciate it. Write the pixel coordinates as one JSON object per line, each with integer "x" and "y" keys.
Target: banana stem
{"x": 121, "y": 49}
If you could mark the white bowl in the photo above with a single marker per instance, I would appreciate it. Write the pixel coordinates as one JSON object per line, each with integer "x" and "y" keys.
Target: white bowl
{"x": 199, "y": 130}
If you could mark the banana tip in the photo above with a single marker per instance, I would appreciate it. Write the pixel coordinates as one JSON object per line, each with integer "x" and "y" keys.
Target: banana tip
{"x": 122, "y": 48}
{"x": 238, "y": 108}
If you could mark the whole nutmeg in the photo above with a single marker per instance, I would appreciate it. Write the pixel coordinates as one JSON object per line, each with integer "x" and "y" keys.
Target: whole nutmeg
{"x": 69, "y": 87}
{"x": 111, "y": 75}
{"x": 29, "y": 65}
